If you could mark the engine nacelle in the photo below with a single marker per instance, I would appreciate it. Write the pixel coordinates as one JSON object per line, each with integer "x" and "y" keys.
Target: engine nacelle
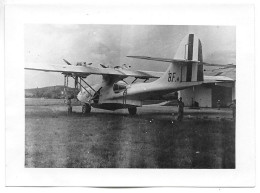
{"x": 83, "y": 64}
{"x": 120, "y": 86}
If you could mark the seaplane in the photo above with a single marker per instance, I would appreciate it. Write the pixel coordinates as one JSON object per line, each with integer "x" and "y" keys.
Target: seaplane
{"x": 113, "y": 92}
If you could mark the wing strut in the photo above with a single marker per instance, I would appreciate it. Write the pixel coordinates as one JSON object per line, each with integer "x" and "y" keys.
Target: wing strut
{"x": 65, "y": 86}
{"x": 134, "y": 80}
{"x": 146, "y": 79}
{"x": 88, "y": 85}
{"x": 81, "y": 86}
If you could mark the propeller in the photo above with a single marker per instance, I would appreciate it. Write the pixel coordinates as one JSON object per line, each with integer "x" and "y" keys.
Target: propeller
{"x": 126, "y": 66}
{"x": 67, "y": 62}
{"x": 104, "y": 66}
{"x": 123, "y": 66}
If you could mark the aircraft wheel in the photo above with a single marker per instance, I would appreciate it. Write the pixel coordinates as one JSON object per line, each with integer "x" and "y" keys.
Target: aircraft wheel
{"x": 132, "y": 110}
{"x": 86, "y": 108}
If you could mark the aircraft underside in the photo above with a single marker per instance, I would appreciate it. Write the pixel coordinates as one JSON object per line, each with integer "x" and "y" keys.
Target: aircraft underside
{"x": 132, "y": 109}
{"x": 112, "y": 106}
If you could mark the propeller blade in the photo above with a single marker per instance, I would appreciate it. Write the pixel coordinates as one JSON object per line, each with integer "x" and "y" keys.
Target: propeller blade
{"x": 67, "y": 62}
{"x": 104, "y": 66}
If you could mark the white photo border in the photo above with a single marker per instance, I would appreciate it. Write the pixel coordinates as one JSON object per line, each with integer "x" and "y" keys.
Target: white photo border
{"x": 241, "y": 16}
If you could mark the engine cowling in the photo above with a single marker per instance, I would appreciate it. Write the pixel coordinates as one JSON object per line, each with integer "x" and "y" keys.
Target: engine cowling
{"x": 81, "y": 64}
{"x": 120, "y": 86}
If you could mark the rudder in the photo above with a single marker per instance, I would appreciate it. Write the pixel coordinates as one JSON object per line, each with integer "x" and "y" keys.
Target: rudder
{"x": 187, "y": 64}
{"x": 190, "y": 49}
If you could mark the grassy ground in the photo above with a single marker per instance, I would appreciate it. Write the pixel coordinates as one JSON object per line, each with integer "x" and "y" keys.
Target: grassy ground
{"x": 151, "y": 139}
{"x": 47, "y": 102}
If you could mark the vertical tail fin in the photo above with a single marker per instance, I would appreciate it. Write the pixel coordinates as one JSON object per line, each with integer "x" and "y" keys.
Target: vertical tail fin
{"x": 187, "y": 63}
{"x": 186, "y": 66}
{"x": 190, "y": 48}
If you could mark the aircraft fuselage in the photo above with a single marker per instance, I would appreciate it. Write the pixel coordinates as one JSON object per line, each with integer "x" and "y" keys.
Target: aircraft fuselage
{"x": 131, "y": 96}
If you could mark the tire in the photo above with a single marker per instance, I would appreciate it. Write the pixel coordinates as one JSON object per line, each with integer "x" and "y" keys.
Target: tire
{"x": 132, "y": 110}
{"x": 86, "y": 108}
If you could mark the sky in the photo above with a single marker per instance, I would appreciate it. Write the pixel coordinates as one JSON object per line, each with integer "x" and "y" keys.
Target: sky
{"x": 110, "y": 44}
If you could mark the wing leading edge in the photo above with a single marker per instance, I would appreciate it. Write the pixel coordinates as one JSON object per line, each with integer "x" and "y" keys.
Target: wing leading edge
{"x": 123, "y": 73}
{"x": 87, "y": 70}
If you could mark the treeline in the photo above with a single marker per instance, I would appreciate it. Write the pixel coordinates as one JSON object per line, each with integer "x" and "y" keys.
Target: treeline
{"x": 54, "y": 92}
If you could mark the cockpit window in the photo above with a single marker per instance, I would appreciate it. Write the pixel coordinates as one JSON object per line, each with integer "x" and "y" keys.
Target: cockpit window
{"x": 117, "y": 88}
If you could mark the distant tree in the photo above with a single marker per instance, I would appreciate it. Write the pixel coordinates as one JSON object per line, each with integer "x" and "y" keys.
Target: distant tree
{"x": 39, "y": 94}
{"x": 47, "y": 94}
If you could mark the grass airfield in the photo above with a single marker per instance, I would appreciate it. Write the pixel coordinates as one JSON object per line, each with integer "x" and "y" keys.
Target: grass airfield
{"x": 114, "y": 139}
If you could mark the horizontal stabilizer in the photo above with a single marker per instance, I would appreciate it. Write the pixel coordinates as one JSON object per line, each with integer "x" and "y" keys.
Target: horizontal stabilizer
{"x": 162, "y": 59}
{"x": 213, "y": 79}
{"x": 220, "y": 65}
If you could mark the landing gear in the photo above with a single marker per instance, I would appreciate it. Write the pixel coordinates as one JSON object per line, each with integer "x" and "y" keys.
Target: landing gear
{"x": 86, "y": 108}
{"x": 132, "y": 110}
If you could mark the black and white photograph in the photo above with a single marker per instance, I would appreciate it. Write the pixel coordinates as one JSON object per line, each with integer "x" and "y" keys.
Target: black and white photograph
{"x": 130, "y": 96}
{"x": 120, "y": 95}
